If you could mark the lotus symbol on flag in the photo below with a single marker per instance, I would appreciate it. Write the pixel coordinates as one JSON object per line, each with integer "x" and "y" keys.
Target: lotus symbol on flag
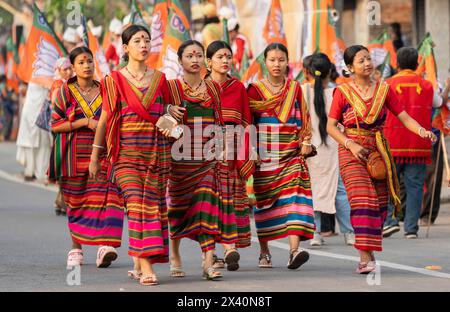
{"x": 157, "y": 34}
{"x": 171, "y": 67}
{"x": 46, "y": 58}
{"x": 177, "y": 24}
{"x": 378, "y": 56}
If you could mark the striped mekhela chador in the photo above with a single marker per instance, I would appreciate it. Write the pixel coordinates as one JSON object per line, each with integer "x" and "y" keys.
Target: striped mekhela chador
{"x": 200, "y": 189}
{"x": 281, "y": 182}
{"x": 94, "y": 208}
{"x": 364, "y": 120}
{"x": 236, "y": 112}
{"x": 140, "y": 158}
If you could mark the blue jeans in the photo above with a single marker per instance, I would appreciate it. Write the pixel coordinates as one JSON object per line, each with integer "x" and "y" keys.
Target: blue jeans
{"x": 414, "y": 178}
{"x": 342, "y": 211}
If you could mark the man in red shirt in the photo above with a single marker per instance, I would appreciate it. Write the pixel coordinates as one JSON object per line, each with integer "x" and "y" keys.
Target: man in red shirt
{"x": 114, "y": 51}
{"x": 239, "y": 44}
{"x": 410, "y": 152}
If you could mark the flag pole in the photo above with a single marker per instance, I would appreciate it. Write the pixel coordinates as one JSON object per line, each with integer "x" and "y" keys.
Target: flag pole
{"x": 441, "y": 146}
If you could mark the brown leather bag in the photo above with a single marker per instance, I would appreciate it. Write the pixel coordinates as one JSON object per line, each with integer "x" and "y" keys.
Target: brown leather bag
{"x": 376, "y": 166}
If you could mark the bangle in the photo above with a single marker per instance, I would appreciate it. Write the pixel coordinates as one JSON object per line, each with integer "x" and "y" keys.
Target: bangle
{"x": 306, "y": 143}
{"x": 420, "y": 131}
{"x": 168, "y": 109}
{"x": 347, "y": 142}
{"x": 70, "y": 126}
{"x": 98, "y": 146}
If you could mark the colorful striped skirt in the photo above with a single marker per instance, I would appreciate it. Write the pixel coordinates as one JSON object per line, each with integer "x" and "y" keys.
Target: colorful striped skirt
{"x": 242, "y": 212}
{"x": 368, "y": 198}
{"x": 143, "y": 189}
{"x": 284, "y": 201}
{"x": 94, "y": 209}
{"x": 201, "y": 203}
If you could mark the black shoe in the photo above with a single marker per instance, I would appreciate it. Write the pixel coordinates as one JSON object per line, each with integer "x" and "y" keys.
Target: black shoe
{"x": 389, "y": 230}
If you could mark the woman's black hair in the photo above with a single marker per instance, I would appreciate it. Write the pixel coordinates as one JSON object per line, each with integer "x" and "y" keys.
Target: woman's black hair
{"x": 321, "y": 69}
{"x": 186, "y": 44}
{"x": 129, "y": 32}
{"x": 276, "y": 46}
{"x": 349, "y": 56}
{"x": 77, "y": 51}
{"x": 216, "y": 46}
{"x": 334, "y": 75}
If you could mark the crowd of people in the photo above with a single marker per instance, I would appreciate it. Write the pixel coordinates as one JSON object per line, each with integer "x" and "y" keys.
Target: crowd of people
{"x": 139, "y": 145}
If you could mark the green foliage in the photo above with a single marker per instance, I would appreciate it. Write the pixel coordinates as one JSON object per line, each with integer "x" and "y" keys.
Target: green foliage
{"x": 100, "y": 11}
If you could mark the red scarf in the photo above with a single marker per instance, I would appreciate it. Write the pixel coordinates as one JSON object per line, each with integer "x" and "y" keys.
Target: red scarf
{"x": 116, "y": 88}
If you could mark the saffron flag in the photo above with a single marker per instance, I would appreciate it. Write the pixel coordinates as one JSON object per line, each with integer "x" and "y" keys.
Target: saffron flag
{"x": 12, "y": 61}
{"x": 101, "y": 65}
{"x": 273, "y": 32}
{"x": 42, "y": 50}
{"x": 273, "y": 29}
{"x": 322, "y": 35}
{"x": 158, "y": 29}
{"x": 256, "y": 71}
{"x": 428, "y": 70}
{"x": 136, "y": 16}
{"x": 383, "y": 53}
{"x": 176, "y": 32}
{"x": 2, "y": 65}
{"x": 427, "y": 63}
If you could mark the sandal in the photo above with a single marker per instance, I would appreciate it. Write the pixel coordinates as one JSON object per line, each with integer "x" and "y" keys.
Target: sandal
{"x": 366, "y": 267}
{"x": 297, "y": 259}
{"x": 75, "y": 258}
{"x": 148, "y": 280}
{"x": 211, "y": 274}
{"x": 219, "y": 263}
{"x": 177, "y": 272}
{"x": 232, "y": 259}
{"x": 265, "y": 261}
{"x": 135, "y": 274}
{"x": 105, "y": 255}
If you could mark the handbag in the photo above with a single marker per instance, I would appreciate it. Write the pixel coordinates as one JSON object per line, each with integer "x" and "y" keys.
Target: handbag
{"x": 376, "y": 167}
{"x": 43, "y": 119}
{"x": 167, "y": 122}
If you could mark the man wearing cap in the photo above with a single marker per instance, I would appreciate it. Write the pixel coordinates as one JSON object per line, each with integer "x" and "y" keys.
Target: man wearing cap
{"x": 70, "y": 39}
{"x": 239, "y": 43}
{"x": 114, "y": 51}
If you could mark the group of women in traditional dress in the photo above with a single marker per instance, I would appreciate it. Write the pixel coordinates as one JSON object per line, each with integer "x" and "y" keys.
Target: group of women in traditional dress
{"x": 111, "y": 157}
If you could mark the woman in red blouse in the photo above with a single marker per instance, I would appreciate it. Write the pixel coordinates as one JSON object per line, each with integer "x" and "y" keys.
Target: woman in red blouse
{"x": 361, "y": 106}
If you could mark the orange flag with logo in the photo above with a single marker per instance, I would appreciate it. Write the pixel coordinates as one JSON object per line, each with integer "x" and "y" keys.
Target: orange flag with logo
{"x": 321, "y": 29}
{"x": 41, "y": 51}
{"x": 101, "y": 65}
{"x": 176, "y": 32}
{"x": 12, "y": 60}
{"x": 158, "y": 29}
{"x": 273, "y": 30}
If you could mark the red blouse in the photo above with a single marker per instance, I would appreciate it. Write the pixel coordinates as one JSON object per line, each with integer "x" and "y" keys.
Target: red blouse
{"x": 340, "y": 104}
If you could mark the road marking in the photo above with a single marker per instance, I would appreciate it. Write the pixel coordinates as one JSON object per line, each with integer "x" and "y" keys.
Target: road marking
{"x": 356, "y": 259}
{"x": 16, "y": 179}
{"x": 53, "y": 188}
